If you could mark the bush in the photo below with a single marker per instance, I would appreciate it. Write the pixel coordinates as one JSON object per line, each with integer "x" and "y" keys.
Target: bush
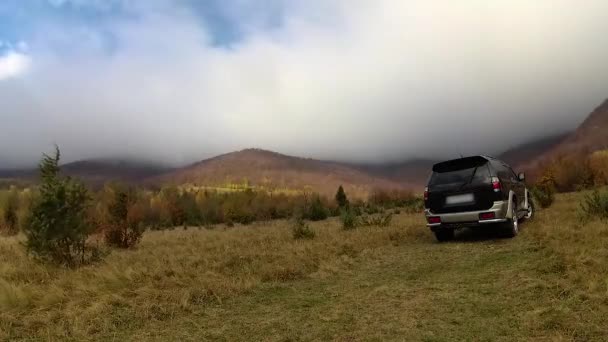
{"x": 240, "y": 215}
{"x": 301, "y": 230}
{"x": 9, "y": 216}
{"x": 543, "y": 193}
{"x": 125, "y": 227}
{"x": 372, "y": 209}
{"x": 598, "y": 162}
{"x": 173, "y": 212}
{"x": 543, "y": 196}
{"x": 571, "y": 173}
{"x": 595, "y": 205}
{"x": 56, "y": 229}
{"x": 349, "y": 219}
{"x": 317, "y": 211}
{"x": 382, "y": 220}
{"x": 413, "y": 205}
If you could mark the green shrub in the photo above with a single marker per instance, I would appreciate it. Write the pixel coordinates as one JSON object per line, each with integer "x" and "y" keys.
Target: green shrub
{"x": 372, "y": 209}
{"x": 543, "y": 195}
{"x": 349, "y": 219}
{"x": 56, "y": 229}
{"x": 241, "y": 215}
{"x": 595, "y": 205}
{"x": 125, "y": 227}
{"x": 317, "y": 211}
{"x": 301, "y": 230}
{"x": 413, "y": 205}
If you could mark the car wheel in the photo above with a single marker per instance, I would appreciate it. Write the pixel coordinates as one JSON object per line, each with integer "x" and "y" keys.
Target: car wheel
{"x": 444, "y": 235}
{"x": 512, "y": 225}
{"x": 531, "y": 211}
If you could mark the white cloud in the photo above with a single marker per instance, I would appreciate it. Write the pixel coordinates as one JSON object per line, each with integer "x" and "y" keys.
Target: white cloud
{"x": 339, "y": 79}
{"x": 13, "y": 64}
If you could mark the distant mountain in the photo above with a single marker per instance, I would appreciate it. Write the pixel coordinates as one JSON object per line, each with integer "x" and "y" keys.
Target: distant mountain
{"x": 416, "y": 171}
{"x": 530, "y": 151}
{"x": 274, "y": 170}
{"x": 99, "y": 171}
{"x": 24, "y": 174}
{"x": 96, "y": 172}
{"x": 411, "y": 172}
{"x": 270, "y": 169}
{"x": 590, "y": 136}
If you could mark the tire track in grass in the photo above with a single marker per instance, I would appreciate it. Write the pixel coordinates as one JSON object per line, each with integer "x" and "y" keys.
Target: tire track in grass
{"x": 465, "y": 290}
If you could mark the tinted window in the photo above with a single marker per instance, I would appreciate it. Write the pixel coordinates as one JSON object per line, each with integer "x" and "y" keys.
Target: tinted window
{"x": 469, "y": 175}
{"x": 502, "y": 171}
{"x": 513, "y": 174}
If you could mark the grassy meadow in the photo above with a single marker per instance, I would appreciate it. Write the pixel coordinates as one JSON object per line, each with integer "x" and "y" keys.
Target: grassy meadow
{"x": 256, "y": 283}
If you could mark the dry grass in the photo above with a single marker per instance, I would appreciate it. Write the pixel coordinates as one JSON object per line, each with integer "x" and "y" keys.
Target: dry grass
{"x": 168, "y": 273}
{"x": 258, "y": 283}
{"x": 580, "y": 250}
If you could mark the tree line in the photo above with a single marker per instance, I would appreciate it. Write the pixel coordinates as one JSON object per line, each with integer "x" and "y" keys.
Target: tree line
{"x": 60, "y": 215}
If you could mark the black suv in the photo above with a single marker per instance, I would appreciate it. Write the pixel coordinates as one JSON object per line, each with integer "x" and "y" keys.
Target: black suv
{"x": 475, "y": 192}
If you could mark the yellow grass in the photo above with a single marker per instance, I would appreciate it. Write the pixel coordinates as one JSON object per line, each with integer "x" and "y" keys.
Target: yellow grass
{"x": 258, "y": 283}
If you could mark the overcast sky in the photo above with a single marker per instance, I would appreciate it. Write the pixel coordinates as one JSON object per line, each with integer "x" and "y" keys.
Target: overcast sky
{"x": 359, "y": 80}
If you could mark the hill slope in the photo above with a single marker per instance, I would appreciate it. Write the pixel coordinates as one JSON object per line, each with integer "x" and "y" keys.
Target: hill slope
{"x": 417, "y": 171}
{"x": 591, "y": 135}
{"x": 274, "y": 170}
{"x": 414, "y": 172}
{"x": 527, "y": 152}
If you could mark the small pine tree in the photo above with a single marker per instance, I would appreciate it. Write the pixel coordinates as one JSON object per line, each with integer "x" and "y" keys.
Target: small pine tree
{"x": 349, "y": 219}
{"x": 56, "y": 229}
{"x": 595, "y": 205}
{"x": 341, "y": 198}
{"x": 317, "y": 211}
{"x": 301, "y": 230}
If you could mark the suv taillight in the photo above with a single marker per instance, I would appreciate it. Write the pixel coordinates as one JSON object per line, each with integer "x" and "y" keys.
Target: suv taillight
{"x": 496, "y": 184}
{"x": 434, "y": 219}
{"x": 487, "y": 216}
{"x": 426, "y": 193}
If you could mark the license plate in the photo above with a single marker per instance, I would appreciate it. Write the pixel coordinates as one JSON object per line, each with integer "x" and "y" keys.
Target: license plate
{"x": 459, "y": 199}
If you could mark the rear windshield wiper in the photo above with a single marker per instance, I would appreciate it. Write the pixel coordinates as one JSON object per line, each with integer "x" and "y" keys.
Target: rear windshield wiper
{"x": 470, "y": 179}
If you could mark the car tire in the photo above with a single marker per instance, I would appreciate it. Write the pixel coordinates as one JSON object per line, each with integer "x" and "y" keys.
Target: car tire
{"x": 511, "y": 227}
{"x": 531, "y": 211}
{"x": 444, "y": 235}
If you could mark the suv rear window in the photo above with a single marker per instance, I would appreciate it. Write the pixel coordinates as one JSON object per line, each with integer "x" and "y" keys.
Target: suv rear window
{"x": 460, "y": 172}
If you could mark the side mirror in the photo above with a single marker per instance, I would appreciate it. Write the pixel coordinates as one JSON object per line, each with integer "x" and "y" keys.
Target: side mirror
{"x": 521, "y": 176}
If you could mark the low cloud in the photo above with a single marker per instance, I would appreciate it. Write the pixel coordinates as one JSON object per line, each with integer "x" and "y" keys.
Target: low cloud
{"x": 349, "y": 80}
{"x": 13, "y": 64}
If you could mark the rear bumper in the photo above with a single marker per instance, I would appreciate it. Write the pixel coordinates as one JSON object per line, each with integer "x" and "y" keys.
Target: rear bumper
{"x": 470, "y": 218}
